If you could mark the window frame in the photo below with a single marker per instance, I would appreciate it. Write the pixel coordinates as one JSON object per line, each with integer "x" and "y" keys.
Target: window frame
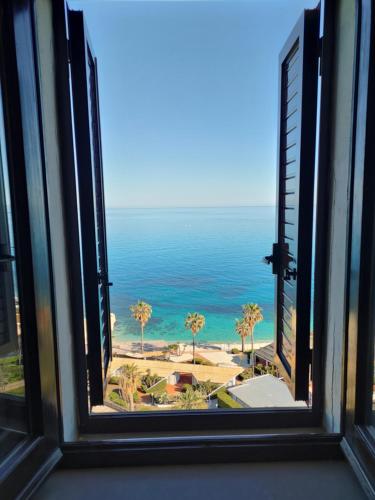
{"x": 30, "y": 461}
{"x": 358, "y": 443}
{"x": 193, "y": 420}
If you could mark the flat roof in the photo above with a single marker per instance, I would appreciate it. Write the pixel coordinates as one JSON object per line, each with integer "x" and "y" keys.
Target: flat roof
{"x": 266, "y": 352}
{"x": 265, "y": 391}
{"x": 217, "y": 374}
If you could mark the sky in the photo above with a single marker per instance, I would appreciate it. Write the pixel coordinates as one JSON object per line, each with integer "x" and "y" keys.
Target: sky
{"x": 189, "y": 99}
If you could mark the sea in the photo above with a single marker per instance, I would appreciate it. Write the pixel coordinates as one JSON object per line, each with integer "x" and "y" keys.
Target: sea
{"x": 181, "y": 260}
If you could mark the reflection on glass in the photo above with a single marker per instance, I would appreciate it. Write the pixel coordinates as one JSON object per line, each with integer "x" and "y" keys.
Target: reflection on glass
{"x": 372, "y": 402}
{"x": 11, "y": 367}
{"x": 12, "y": 383}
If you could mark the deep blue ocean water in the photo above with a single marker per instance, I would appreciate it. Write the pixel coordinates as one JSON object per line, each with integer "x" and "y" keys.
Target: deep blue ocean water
{"x": 206, "y": 260}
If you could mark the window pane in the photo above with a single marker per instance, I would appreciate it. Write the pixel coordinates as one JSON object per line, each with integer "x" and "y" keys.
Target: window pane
{"x": 12, "y": 383}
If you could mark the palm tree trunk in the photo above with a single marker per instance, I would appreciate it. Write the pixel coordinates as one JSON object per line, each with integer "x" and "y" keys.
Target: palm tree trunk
{"x": 142, "y": 338}
{"x": 252, "y": 351}
{"x": 131, "y": 401}
{"x": 193, "y": 350}
{"x": 243, "y": 343}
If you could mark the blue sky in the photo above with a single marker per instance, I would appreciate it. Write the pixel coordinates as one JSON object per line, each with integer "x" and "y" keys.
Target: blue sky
{"x": 188, "y": 98}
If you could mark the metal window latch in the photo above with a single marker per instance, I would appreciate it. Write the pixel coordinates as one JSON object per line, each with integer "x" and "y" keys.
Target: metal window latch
{"x": 273, "y": 259}
{"x": 268, "y": 259}
{"x": 290, "y": 274}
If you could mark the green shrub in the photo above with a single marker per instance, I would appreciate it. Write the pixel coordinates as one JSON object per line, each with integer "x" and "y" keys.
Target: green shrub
{"x": 235, "y": 351}
{"x": 202, "y": 361}
{"x": 149, "y": 380}
{"x": 224, "y": 400}
{"x": 172, "y": 347}
{"x": 114, "y": 380}
{"x": 261, "y": 369}
{"x": 206, "y": 388}
{"x": 246, "y": 374}
{"x": 116, "y": 398}
{"x": 186, "y": 387}
{"x": 161, "y": 399}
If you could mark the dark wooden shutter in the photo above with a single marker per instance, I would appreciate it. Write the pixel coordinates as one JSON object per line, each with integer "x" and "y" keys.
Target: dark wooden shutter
{"x": 91, "y": 206}
{"x": 8, "y": 323}
{"x": 292, "y": 254}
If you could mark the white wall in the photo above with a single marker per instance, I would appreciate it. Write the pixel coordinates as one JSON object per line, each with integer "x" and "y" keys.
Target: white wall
{"x": 45, "y": 49}
{"x": 339, "y": 211}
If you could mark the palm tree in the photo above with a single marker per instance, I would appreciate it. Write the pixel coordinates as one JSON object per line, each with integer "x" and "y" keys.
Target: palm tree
{"x": 128, "y": 381}
{"x": 141, "y": 312}
{"x": 243, "y": 330}
{"x": 194, "y": 322}
{"x": 252, "y": 314}
{"x": 189, "y": 399}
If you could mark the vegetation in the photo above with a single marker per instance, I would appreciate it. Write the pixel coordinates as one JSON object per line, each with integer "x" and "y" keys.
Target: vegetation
{"x": 246, "y": 374}
{"x": 206, "y": 387}
{"x": 224, "y": 400}
{"x": 243, "y": 330}
{"x": 270, "y": 369}
{"x": 161, "y": 399}
{"x": 141, "y": 312}
{"x": 190, "y": 399}
{"x": 252, "y": 315}
{"x": 19, "y": 391}
{"x": 116, "y": 398}
{"x": 148, "y": 380}
{"x": 157, "y": 389}
{"x": 235, "y": 350}
{"x": 11, "y": 370}
{"x": 194, "y": 322}
{"x": 200, "y": 360}
{"x": 114, "y": 380}
{"x": 128, "y": 381}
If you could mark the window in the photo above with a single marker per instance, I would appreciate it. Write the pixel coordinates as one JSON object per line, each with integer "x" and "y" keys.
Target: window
{"x": 155, "y": 380}
{"x": 29, "y": 424}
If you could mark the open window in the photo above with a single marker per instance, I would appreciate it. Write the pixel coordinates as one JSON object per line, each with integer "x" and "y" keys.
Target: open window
{"x": 292, "y": 262}
{"x": 292, "y": 254}
{"x": 91, "y": 207}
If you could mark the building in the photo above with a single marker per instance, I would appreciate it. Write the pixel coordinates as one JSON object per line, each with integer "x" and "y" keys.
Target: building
{"x": 265, "y": 391}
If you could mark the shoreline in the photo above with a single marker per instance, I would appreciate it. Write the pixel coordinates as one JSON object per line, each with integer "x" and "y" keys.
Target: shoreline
{"x": 157, "y": 345}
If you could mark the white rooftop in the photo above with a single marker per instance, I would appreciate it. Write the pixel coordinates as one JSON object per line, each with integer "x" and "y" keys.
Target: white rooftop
{"x": 265, "y": 391}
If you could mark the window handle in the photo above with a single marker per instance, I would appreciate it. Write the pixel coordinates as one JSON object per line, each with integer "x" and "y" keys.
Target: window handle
{"x": 268, "y": 259}
{"x": 273, "y": 258}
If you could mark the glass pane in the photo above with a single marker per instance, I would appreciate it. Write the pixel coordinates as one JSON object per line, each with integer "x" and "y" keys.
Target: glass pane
{"x": 12, "y": 383}
{"x": 371, "y": 403}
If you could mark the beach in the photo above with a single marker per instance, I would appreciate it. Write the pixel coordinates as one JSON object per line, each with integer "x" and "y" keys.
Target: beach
{"x": 219, "y": 354}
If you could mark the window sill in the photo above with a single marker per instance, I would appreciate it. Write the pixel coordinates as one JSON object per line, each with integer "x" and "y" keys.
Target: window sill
{"x": 193, "y": 447}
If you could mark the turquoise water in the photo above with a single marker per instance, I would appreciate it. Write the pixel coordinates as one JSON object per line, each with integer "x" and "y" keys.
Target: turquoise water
{"x": 206, "y": 260}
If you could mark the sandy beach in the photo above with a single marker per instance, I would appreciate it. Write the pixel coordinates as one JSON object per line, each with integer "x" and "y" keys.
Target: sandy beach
{"x": 218, "y": 353}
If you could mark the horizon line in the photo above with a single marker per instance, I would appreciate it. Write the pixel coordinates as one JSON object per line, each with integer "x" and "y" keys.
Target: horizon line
{"x": 188, "y": 206}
